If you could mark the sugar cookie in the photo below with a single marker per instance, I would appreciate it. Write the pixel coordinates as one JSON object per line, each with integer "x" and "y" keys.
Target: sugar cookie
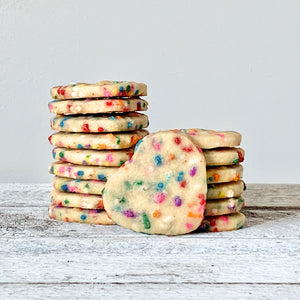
{"x": 103, "y": 88}
{"x": 88, "y": 216}
{"x": 162, "y": 189}
{"x": 76, "y": 200}
{"x": 108, "y": 158}
{"x": 224, "y": 173}
{"x": 223, "y": 223}
{"x": 78, "y": 185}
{"x": 100, "y": 123}
{"x": 225, "y": 190}
{"x": 81, "y": 172}
{"x": 224, "y": 156}
{"x": 99, "y": 141}
{"x": 224, "y": 206}
{"x": 95, "y": 106}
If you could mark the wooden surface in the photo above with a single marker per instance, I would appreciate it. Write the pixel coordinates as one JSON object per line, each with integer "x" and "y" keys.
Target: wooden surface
{"x": 45, "y": 259}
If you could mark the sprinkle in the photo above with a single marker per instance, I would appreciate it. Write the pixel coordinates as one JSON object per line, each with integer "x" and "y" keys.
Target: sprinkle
{"x": 177, "y": 201}
{"x": 129, "y": 124}
{"x": 64, "y": 187}
{"x": 158, "y": 160}
{"x": 127, "y": 185}
{"x": 177, "y": 140}
{"x": 216, "y": 176}
{"x": 180, "y": 176}
{"x": 146, "y": 221}
{"x": 100, "y": 129}
{"x": 129, "y": 214}
{"x": 112, "y": 118}
{"x": 155, "y": 145}
{"x": 80, "y": 173}
{"x": 188, "y": 148}
{"x": 61, "y": 154}
{"x": 193, "y": 171}
{"x": 160, "y": 198}
{"x": 83, "y": 217}
{"x": 156, "y": 214}
{"x": 160, "y": 186}
{"x": 79, "y": 146}
{"x": 109, "y": 158}
{"x": 101, "y": 177}
{"x": 189, "y": 225}
{"x": 123, "y": 200}
{"x": 137, "y": 144}
{"x": 62, "y": 123}
{"x": 86, "y": 128}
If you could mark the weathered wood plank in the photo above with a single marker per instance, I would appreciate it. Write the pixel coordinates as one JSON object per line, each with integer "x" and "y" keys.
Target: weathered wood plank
{"x": 34, "y": 222}
{"x": 149, "y": 291}
{"x": 258, "y": 195}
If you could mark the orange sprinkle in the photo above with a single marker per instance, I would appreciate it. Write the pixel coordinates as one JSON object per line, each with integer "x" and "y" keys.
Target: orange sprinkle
{"x": 171, "y": 156}
{"x": 156, "y": 214}
{"x": 192, "y": 215}
{"x": 216, "y": 176}
{"x": 236, "y": 177}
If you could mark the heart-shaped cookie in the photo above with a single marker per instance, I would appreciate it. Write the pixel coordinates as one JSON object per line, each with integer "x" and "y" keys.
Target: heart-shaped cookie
{"x": 162, "y": 188}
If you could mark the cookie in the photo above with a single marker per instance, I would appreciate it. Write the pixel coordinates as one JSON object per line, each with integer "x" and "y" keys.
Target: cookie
{"x": 76, "y": 200}
{"x": 98, "y": 141}
{"x": 223, "y": 223}
{"x": 225, "y": 190}
{"x": 94, "y": 106}
{"x": 161, "y": 189}
{"x": 224, "y": 156}
{"x": 224, "y": 173}
{"x": 208, "y": 139}
{"x": 224, "y": 206}
{"x": 108, "y": 158}
{"x": 79, "y": 215}
{"x": 103, "y": 88}
{"x": 78, "y": 185}
{"x": 100, "y": 123}
{"x": 81, "y": 172}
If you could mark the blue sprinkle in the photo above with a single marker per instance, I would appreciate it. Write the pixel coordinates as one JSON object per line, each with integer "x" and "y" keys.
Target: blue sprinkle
{"x": 136, "y": 92}
{"x": 158, "y": 160}
{"x": 121, "y": 89}
{"x": 53, "y": 154}
{"x": 210, "y": 178}
{"x": 80, "y": 173}
{"x": 52, "y": 170}
{"x": 83, "y": 217}
{"x": 137, "y": 144}
{"x": 79, "y": 146}
{"x": 112, "y": 117}
{"x": 129, "y": 124}
{"x": 180, "y": 176}
{"x": 64, "y": 187}
{"x": 62, "y": 122}
{"x": 101, "y": 177}
{"x": 160, "y": 186}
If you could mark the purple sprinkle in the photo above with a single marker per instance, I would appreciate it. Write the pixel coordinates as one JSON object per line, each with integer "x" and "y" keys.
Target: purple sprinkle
{"x": 177, "y": 201}
{"x": 193, "y": 171}
{"x": 130, "y": 160}
{"x": 129, "y": 214}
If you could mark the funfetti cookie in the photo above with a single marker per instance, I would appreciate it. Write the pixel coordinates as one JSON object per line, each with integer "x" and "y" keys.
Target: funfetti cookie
{"x": 103, "y": 88}
{"x": 79, "y": 215}
{"x": 224, "y": 173}
{"x": 223, "y": 223}
{"x": 208, "y": 139}
{"x": 108, "y": 158}
{"x": 80, "y": 186}
{"x": 161, "y": 189}
{"x": 224, "y": 156}
{"x": 100, "y": 123}
{"x": 224, "y": 206}
{"x": 76, "y": 200}
{"x": 225, "y": 190}
{"x": 100, "y": 141}
{"x": 95, "y": 106}
{"x": 81, "y": 172}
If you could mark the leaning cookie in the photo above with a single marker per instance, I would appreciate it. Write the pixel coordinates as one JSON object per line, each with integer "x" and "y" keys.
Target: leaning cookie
{"x": 87, "y": 216}
{"x": 81, "y": 172}
{"x": 100, "y": 141}
{"x": 225, "y": 190}
{"x": 162, "y": 189}
{"x": 76, "y": 200}
{"x": 103, "y": 88}
{"x": 224, "y": 156}
{"x": 223, "y": 223}
{"x": 224, "y": 173}
{"x": 95, "y": 106}
{"x": 224, "y": 206}
{"x": 100, "y": 123}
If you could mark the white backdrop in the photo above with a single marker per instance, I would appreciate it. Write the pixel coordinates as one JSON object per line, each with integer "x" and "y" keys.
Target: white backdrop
{"x": 223, "y": 65}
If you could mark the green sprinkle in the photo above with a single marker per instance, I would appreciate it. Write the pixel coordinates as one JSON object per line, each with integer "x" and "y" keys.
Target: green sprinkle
{"x": 127, "y": 184}
{"x": 241, "y": 200}
{"x": 146, "y": 221}
{"x": 141, "y": 126}
{"x": 102, "y": 192}
{"x": 73, "y": 84}
{"x": 144, "y": 104}
{"x": 123, "y": 200}
{"x": 235, "y": 161}
{"x": 122, "y": 162}
{"x": 118, "y": 140}
{"x": 88, "y": 156}
{"x": 61, "y": 154}
{"x": 128, "y": 88}
{"x": 87, "y": 186}
{"x": 66, "y": 202}
{"x": 139, "y": 182}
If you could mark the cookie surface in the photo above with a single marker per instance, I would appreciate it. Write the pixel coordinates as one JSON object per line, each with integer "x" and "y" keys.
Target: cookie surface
{"x": 162, "y": 189}
{"x": 81, "y": 172}
{"x": 112, "y": 158}
{"x": 100, "y": 123}
{"x": 208, "y": 139}
{"x": 94, "y": 106}
{"x": 224, "y": 173}
{"x": 78, "y": 215}
{"x": 76, "y": 200}
{"x": 225, "y": 190}
{"x": 99, "y": 141}
{"x": 224, "y": 206}
{"x": 80, "y": 186}
{"x": 223, "y": 223}
{"x": 224, "y": 156}
{"x": 103, "y": 88}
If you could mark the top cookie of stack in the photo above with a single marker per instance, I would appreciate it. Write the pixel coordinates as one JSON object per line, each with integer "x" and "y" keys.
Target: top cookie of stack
{"x": 98, "y": 126}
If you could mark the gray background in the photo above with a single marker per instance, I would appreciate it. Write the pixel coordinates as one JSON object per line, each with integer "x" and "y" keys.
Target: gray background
{"x": 223, "y": 65}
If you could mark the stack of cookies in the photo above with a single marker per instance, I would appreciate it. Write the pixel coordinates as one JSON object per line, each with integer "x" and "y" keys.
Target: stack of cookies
{"x": 224, "y": 173}
{"x": 98, "y": 126}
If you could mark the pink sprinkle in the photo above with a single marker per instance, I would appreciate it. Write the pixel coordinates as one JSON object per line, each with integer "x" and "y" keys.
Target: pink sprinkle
{"x": 60, "y": 144}
{"x": 107, "y": 93}
{"x": 199, "y": 149}
{"x": 221, "y": 135}
{"x": 155, "y": 145}
{"x": 189, "y": 225}
{"x": 193, "y": 171}
{"x": 225, "y": 219}
{"x": 97, "y": 160}
{"x": 109, "y": 158}
{"x": 73, "y": 189}
{"x": 61, "y": 169}
{"x": 50, "y": 107}
{"x": 192, "y": 133}
{"x": 160, "y": 197}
